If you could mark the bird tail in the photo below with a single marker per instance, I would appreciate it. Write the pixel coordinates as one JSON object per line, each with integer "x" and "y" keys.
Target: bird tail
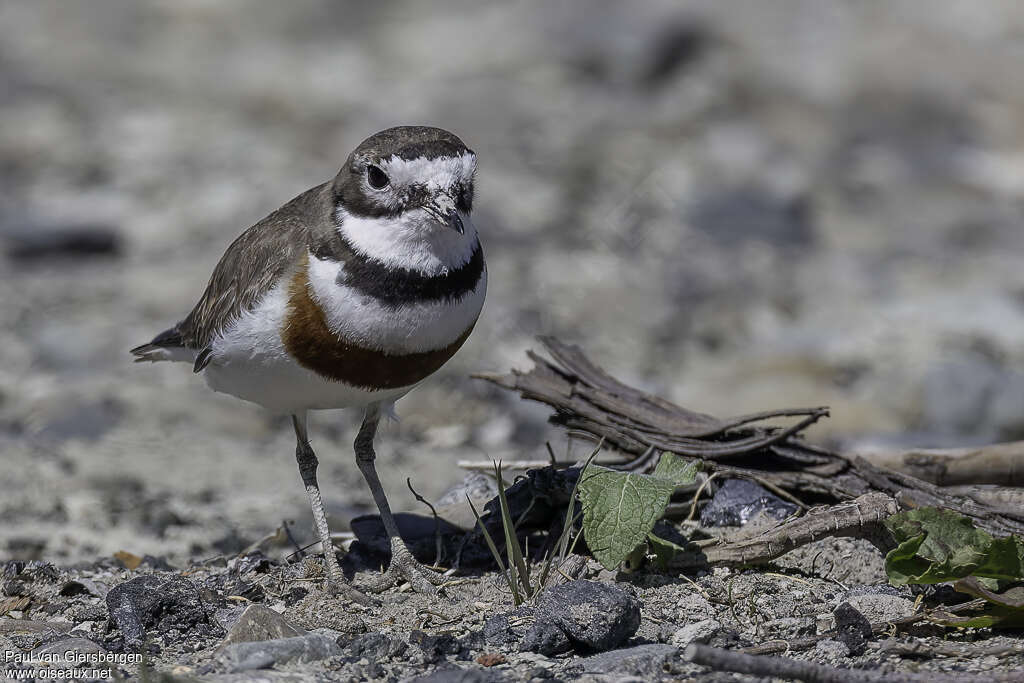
{"x": 168, "y": 345}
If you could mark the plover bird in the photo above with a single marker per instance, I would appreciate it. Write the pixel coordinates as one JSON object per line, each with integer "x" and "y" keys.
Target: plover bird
{"x": 348, "y": 296}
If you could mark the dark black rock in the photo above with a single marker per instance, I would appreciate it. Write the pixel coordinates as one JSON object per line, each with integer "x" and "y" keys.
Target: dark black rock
{"x": 160, "y": 601}
{"x": 295, "y": 595}
{"x": 504, "y": 629}
{"x": 81, "y": 587}
{"x": 545, "y": 638}
{"x": 649, "y": 661}
{"x": 435, "y": 646}
{"x": 853, "y": 628}
{"x": 593, "y": 616}
{"x": 376, "y": 646}
{"x": 737, "y": 501}
{"x": 253, "y": 592}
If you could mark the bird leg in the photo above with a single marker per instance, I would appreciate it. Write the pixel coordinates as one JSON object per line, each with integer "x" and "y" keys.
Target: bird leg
{"x": 336, "y": 583}
{"x": 404, "y": 567}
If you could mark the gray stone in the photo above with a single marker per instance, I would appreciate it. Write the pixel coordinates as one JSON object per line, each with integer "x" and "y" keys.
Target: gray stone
{"x": 738, "y": 501}
{"x": 832, "y": 649}
{"x": 259, "y": 622}
{"x": 881, "y": 607}
{"x": 376, "y": 646}
{"x": 79, "y": 645}
{"x": 650, "y": 661}
{"x": 258, "y": 677}
{"x": 268, "y": 653}
{"x": 697, "y": 632}
{"x": 593, "y": 615}
{"x": 461, "y": 675}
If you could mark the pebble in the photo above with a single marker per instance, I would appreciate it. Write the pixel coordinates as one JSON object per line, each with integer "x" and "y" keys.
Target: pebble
{"x": 650, "y": 661}
{"x": 697, "y": 632}
{"x": 260, "y": 623}
{"x": 832, "y": 649}
{"x": 854, "y": 630}
{"x": 268, "y": 653}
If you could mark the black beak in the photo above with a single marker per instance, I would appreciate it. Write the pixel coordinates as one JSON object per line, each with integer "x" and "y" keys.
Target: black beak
{"x": 455, "y": 222}
{"x": 443, "y": 209}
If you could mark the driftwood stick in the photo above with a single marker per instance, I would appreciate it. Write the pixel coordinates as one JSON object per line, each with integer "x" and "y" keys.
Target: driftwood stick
{"x": 998, "y": 463}
{"x": 587, "y": 400}
{"x": 781, "y": 667}
{"x": 860, "y": 518}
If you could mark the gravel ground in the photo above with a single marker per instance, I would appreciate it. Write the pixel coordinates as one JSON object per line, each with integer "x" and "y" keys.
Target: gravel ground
{"x": 738, "y": 206}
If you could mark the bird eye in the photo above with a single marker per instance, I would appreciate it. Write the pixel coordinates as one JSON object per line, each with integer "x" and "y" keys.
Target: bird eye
{"x": 377, "y": 178}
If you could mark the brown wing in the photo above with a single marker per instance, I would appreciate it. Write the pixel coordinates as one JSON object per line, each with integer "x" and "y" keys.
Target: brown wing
{"x": 249, "y": 268}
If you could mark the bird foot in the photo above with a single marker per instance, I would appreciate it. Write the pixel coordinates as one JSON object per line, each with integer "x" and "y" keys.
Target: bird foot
{"x": 404, "y": 567}
{"x": 336, "y": 586}
{"x": 347, "y": 591}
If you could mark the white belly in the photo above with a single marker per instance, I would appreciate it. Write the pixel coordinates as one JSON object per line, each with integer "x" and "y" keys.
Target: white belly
{"x": 249, "y": 359}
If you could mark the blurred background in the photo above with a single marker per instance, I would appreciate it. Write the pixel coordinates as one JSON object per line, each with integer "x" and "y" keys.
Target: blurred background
{"x": 739, "y": 206}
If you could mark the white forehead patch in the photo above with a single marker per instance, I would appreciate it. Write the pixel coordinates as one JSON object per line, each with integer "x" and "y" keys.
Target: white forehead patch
{"x": 436, "y": 174}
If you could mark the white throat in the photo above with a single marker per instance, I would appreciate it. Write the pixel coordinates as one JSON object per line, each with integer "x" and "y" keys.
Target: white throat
{"x": 413, "y": 240}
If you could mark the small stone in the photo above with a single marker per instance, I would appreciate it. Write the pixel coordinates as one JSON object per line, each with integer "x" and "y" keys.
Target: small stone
{"x": 79, "y": 645}
{"x": 853, "y": 629}
{"x": 507, "y": 629}
{"x": 650, "y": 661}
{"x": 268, "y": 653}
{"x": 376, "y": 646}
{"x": 83, "y": 587}
{"x": 697, "y": 632}
{"x": 156, "y": 600}
{"x": 832, "y": 649}
{"x": 738, "y": 501}
{"x": 489, "y": 659}
{"x": 881, "y": 607}
{"x": 259, "y": 622}
{"x": 460, "y": 675}
{"x": 593, "y": 615}
{"x": 435, "y": 646}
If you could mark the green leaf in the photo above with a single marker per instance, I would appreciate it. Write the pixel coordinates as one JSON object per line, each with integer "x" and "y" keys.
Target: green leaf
{"x": 664, "y": 550}
{"x": 675, "y": 469}
{"x": 620, "y": 508}
{"x": 936, "y": 545}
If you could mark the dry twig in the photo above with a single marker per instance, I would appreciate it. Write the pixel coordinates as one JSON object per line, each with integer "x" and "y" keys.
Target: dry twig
{"x": 587, "y": 400}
